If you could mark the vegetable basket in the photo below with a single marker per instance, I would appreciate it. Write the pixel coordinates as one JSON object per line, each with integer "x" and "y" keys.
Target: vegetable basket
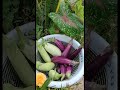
{"x": 78, "y": 70}
{"x": 108, "y": 74}
{"x": 9, "y": 74}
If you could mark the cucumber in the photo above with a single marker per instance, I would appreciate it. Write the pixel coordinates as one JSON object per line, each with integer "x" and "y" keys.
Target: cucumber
{"x": 45, "y": 66}
{"x": 52, "y": 49}
{"x": 43, "y": 53}
{"x": 19, "y": 62}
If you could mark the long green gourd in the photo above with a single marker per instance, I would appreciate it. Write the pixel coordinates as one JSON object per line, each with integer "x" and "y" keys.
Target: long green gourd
{"x": 8, "y": 86}
{"x": 45, "y": 66}
{"x": 26, "y": 46}
{"x": 19, "y": 62}
{"x": 43, "y": 52}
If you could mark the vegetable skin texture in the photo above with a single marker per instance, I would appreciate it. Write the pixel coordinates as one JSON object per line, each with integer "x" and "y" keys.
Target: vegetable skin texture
{"x": 62, "y": 70}
{"x": 43, "y": 53}
{"x": 46, "y": 66}
{"x": 38, "y": 63}
{"x": 54, "y": 75}
{"x": 68, "y": 71}
{"x": 98, "y": 63}
{"x": 67, "y": 49}
{"x": 75, "y": 53}
{"x": 63, "y": 60}
{"x": 52, "y": 49}
{"x": 40, "y": 79}
{"x": 59, "y": 44}
{"x": 25, "y": 73}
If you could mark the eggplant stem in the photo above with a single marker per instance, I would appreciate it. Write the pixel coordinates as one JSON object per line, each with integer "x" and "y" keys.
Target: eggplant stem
{"x": 75, "y": 63}
{"x": 70, "y": 42}
{"x": 63, "y": 76}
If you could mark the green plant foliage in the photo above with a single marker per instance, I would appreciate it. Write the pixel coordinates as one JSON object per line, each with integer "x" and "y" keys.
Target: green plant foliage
{"x": 102, "y": 18}
{"x": 16, "y": 13}
{"x": 9, "y": 9}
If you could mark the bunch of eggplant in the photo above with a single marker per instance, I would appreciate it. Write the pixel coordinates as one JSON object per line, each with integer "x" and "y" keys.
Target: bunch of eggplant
{"x": 60, "y": 63}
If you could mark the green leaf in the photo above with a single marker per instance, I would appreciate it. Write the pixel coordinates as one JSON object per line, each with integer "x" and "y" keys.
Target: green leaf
{"x": 79, "y": 10}
{"x": 52, "y": 29}
{"x": 64, "y": 27}
{"x": 45, "y": 85}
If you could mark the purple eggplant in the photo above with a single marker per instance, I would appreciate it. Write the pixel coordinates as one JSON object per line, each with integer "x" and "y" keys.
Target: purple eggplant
{"x": 59, "y": 44}
{"x": 58, "y": 70}
{"x": 63, "y": 60}
{"x": 63, "y": 71}
{"x": 69, "y": 70}
{"x": 67, "y": 49}
{"x": 74, "y": 53}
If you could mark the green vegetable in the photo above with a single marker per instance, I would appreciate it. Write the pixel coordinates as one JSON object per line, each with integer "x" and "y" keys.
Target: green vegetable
{"x": 54, "y": 75}
{"x": 52, "y": 49}
{"x": 45, "y": 66}
{"x": 26, "y": 45}
{"x": 43, "y": 53}
{"x": 8, "y": 86}
{"x": 17, "y": 59}
{"x": 38, "y": 63}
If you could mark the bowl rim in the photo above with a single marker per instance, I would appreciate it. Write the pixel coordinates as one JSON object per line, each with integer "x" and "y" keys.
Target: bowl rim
{"x": 77, "y": 76}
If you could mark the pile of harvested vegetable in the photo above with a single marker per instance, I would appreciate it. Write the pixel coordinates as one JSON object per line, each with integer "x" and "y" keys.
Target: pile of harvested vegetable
{"x": 61, "y": 58}
{"x": 57, "y": 59}
{"x": 61, "y": 17}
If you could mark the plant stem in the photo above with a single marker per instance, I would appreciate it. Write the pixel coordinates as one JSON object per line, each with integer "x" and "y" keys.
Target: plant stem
{"x": 58, "y": 6}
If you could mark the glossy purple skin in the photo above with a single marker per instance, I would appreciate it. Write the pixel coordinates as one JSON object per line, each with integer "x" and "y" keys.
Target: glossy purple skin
{"x": 66, "y": 51}
{"x": 69, "y": 71}
{"x": 62, "y": 69}
{"x": 75, "y": 53}
{"x": 59, "y": 44}
{"x": 58, "y": 69}
{"x": 63, "y": 60}
{"x": 69, "y": 68}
